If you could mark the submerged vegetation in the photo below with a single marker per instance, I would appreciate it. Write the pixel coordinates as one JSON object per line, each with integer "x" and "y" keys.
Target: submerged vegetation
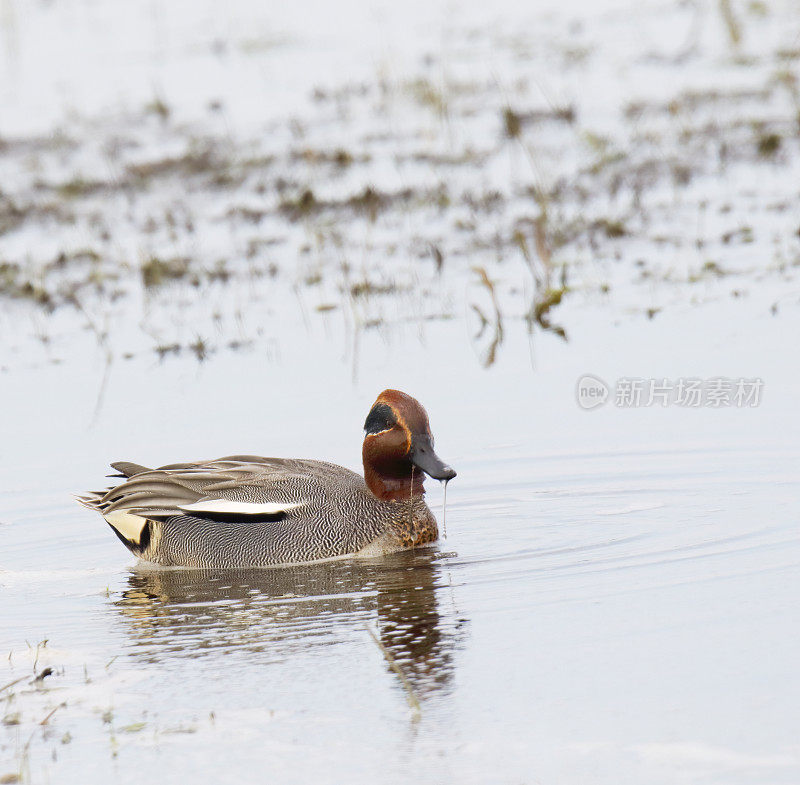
{"x": 377, "y": 205}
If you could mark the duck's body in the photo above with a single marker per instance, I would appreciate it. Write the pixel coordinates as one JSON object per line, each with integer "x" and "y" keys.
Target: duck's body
{"x": 252, "y": 511}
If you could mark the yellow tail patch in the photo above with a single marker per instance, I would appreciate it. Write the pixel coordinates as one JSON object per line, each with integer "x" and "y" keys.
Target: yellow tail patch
{"x": 128, "y": 525}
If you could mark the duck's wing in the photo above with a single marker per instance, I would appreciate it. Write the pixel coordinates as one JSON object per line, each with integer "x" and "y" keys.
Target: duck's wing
{"x": 127, "y": 469}
{"x": 233, "y": 489}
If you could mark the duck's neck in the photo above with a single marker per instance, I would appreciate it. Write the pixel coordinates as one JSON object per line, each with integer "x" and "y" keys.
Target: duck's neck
{"x": 393, "y": 481}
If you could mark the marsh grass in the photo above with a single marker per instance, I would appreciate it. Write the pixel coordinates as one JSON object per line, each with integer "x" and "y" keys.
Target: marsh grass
{"x": 563, "y": 194}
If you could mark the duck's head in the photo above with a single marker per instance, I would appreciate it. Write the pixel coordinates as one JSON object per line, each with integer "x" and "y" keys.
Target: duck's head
{"x": 398, "y": 448}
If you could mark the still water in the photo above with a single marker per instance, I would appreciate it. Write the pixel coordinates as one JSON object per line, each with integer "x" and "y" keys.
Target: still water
{"x": 616, "y": 600}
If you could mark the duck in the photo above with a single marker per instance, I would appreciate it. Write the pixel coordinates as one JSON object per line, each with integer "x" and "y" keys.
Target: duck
{"x": 251, "y": 511}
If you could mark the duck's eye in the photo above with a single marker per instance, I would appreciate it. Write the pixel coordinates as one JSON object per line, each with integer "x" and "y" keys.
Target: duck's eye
{"x": 380, "y": 418}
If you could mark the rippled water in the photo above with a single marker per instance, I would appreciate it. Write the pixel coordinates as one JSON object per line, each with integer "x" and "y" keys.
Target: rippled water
{"x": 616, "y": 599}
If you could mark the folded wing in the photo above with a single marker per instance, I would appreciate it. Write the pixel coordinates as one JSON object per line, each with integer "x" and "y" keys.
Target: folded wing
{"x": 211, "y": 491}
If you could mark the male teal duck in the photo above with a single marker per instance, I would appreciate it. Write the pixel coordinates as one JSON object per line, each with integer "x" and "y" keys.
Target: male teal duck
{"x": 248, "y": 511}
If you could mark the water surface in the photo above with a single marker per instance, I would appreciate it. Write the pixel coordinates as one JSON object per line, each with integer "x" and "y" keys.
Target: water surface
{"x": 615, "y": 599}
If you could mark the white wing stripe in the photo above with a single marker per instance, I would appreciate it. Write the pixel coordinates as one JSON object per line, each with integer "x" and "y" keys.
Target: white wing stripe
{"x": 226, "y": 506}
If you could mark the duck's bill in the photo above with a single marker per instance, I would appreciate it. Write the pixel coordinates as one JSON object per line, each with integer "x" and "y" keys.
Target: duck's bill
{"x": 423, "y": 457}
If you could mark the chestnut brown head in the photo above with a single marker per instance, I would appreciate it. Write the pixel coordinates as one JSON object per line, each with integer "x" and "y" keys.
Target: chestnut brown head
{"x": 398, "y": 448}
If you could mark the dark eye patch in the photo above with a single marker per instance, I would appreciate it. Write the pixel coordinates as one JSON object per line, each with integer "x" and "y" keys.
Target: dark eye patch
{"x": 381, "y": 418}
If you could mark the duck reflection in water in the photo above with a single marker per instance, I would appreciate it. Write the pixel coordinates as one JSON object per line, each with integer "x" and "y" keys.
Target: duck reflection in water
{"x": 278, "y": 613}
